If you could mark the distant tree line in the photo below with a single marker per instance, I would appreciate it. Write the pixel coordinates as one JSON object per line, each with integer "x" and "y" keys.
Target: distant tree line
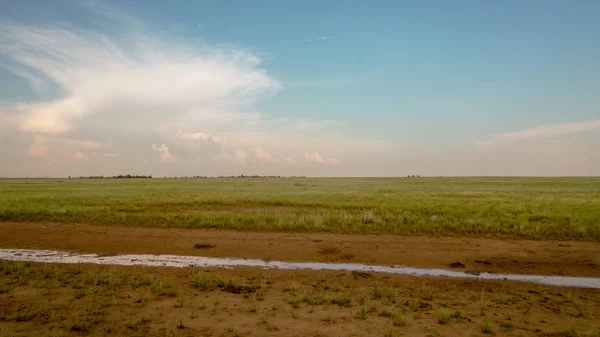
{"x": 242, "y": 176}
{"x": 413, "y": 176}
{"x": 130, "y": 176}
{"x": 127, "y": 176}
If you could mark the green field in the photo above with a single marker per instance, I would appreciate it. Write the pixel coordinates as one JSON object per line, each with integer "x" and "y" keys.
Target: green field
{"x": 541, "y": 208}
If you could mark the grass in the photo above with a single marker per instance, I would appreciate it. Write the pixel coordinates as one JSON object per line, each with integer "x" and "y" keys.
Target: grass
{"x": 541, "y": 208}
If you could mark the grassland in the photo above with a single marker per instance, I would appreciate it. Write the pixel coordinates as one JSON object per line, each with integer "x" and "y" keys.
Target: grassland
{"x": 75, "y": 300}
{"x": 537, "y": 208}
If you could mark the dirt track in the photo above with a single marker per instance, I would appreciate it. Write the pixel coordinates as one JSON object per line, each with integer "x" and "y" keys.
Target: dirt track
{"x": 498, "y": 256}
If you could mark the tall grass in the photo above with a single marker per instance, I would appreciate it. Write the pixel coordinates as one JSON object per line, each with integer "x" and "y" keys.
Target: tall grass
{"x": 551, "y": 208}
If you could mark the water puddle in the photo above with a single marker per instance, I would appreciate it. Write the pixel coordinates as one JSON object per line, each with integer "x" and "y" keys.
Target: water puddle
{"x": 50, "y": 256}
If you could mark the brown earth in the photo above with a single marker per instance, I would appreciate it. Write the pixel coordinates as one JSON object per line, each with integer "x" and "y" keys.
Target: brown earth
{"x": 572, "y": 258}
{"x": 78, "y": 300}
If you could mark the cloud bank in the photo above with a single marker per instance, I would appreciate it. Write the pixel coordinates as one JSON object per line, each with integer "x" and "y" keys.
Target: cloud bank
{"x": 132, "y": 90}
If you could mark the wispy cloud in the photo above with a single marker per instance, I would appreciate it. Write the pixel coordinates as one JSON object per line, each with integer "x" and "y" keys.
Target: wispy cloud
{"x": 320, "y": 38}
{"x": 539, "y": 133}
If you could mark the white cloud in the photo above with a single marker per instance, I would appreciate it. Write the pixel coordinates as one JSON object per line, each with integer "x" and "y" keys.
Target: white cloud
{"x": 120, "y": 87}
{"x": 199, "y": 136}
{"x": 539, "y": 133}
{"x": 165, "y": 155}
{"x": 129, "y": 78}
{"x": 79, "y": 156}
{"x": 290, "y": 160}
{"x": 318, "y": 159}
{"x": 56, "y": 149}
{"x": 263, "y": 155}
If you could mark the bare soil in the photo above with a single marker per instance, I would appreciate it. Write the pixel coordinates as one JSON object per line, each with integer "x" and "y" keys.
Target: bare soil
{"x": 569, "y": 258}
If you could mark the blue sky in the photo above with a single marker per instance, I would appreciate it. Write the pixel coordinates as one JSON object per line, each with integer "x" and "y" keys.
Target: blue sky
{"x": 352, "y": 88}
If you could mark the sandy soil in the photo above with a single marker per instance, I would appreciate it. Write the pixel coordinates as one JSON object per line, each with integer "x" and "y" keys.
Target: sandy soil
{"x": 569, "y": 258}
{"x": 76, "y": 300}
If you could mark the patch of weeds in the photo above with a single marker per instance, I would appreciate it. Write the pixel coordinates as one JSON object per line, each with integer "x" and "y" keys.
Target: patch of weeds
{"x": 48, "y": 284}
{"x": 419, "y": 306}
{"x": 362, "y": 313}
{"x": 386, "y": 293}
{"x": 206, "y": 281}
{"x": 141, "y": 281}
{"x": 141, "y": 299}
{"x": 180, "y": 324}
{"x": 4, "y": 289}
{"x": 6, "y": 332}
{"x": 385, "y": 313}
{"x": 139, "y": 322}
{"x": 179, "y": 303}
{"x": 48, "y": 272}
{"x": 393, "y": 333}
{"x": 443, "y": 316}
{"x": 432, "y": 330}
{"x": 486, "y": 326}
{"x": 342, "y": 299}
{"x": 236, "y": 289}
{"x": 295, "y": 301}
{"x": 292, "y": 287}
{"x": 508, "y": 327}
{"x": 260, "y": 294}
{"x": 267, "y": 259}
{"x": 253, "y": 308}
{"x": 314, "y": 299}
{"x": 114, "y": 279}
{"x": 22, "y": 313}
{"x": 79, "y": 294}
{"x": 398, "y": 319}
{"x": 329, "y": 250}
{"x": 164, "y": 288}
{"x": 96, "y": 280}
{"x": 47, "y": 316}
{"x": 427, "y": 292}
{"x": 215, "y": 306}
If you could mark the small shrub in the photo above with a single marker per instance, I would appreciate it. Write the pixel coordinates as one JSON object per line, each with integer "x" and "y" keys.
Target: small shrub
{"x": 206, "y": 281}
{"x": 342, "y": 299}
{"x": 486, "y": 326}
{"x": 164, "y": 288}
{"x": 398, "y": 319}
{"x": 443, "y": 316}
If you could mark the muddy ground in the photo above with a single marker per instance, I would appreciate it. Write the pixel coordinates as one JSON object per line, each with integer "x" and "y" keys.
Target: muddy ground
{"x": 569, "y": 258}
{"x": 76, "y": 300}
{"x": 88, "y": 300}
